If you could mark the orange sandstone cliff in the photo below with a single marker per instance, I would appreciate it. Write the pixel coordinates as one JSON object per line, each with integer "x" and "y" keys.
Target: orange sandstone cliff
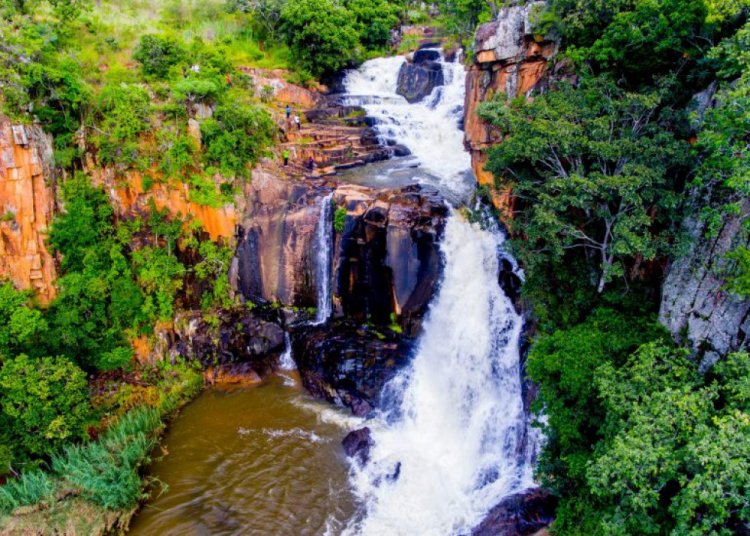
{"x": 511, "y": 60}
{"x": 27, "y": 204}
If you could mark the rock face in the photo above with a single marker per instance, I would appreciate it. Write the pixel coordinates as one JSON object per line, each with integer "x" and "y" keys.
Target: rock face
{"x": 519, "y": 514}
{"x": 418, "y": 77}
{"x": 241, "y": 344}
{"x": 510, "y": 60}
{"x": 695, "y": 306}
{"x": 27, "y": 204}
{"x": 385, "y": 260}
{"x": 347, "y": 364}
{"x": 129, "y": 197}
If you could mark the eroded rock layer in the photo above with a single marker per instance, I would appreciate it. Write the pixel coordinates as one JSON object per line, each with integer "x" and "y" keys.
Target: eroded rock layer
{"x": 27, "y": 204}
{"x": 510, "y": 60}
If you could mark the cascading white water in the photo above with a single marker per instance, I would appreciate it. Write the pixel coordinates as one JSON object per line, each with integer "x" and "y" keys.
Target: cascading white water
{"x": 427, "y": 127}
{"x": 286, "y": 361}
{"x": 323, "y": 238}
{"x": 457, "y": 438}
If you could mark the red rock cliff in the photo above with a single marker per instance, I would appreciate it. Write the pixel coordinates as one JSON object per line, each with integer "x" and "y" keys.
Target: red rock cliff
{"x": 27, "y": 203}
{"x": 511, "y": 60}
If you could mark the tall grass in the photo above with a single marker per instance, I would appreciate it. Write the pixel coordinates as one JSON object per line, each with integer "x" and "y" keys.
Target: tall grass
{"x": 107, "y": 471}
{"x": 31, "y": 488}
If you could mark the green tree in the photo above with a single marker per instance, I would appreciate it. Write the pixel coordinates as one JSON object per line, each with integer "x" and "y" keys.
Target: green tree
{"x": 123, "y": 112}
{"x": 374, "y": 21}
{"x": 236, "y": 135}
{"x": 44, "y": 403}
{"x": 590, "y": 168}
{"x": 320, "y": 34}
{"x": 564, "y": 365}
{"x": 677, "y": 455}
{"x": 22, "y": 327}
{"x": 157, "y": 54}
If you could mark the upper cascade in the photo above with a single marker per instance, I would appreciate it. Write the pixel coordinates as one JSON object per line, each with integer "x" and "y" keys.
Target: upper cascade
{"x": 430, "y": 128}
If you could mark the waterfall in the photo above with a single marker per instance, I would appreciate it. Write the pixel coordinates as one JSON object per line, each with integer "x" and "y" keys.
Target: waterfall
{"x": 455, "y": 442}
{"x": 286, "y": 361}
{"x": 323, "y": 239}
{"x": 453, "y": 438}
{"x": 426, "y": 128}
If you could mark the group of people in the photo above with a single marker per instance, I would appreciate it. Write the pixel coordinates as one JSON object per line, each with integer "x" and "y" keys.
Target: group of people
{"x": 310, "y": 164}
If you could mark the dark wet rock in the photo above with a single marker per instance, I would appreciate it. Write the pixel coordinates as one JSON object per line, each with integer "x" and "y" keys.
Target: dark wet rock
{"x": 385, "y": 262}
{"x": 424, "y": 55}
{"x": 357, "y": 444}
{"x": 235, "y": 336}
{"x": 388, "y": 263}
{"x": 349, "y": 365}
{"x": 519, "y": 514}
{"x": 400, "y": 150}
{"x": 510, "y": 282}
{"x": 417, "y": 78}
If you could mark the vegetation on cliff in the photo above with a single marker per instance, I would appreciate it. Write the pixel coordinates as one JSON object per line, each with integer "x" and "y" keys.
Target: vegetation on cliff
{"x": 605, "y": 167}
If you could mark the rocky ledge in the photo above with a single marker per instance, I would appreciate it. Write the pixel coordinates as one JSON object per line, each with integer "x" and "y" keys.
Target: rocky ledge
{"x": 520, "y": 514}
{"x": 348, "y": 365}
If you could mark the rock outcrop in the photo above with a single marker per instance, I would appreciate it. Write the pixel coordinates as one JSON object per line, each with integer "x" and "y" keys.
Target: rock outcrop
{"x": 385, "y": 260}
{"x": 235, "y": 344}
{"x": 511, "y": 60}
{"x": 27, "y": 205}
{"x": 520, "y": 514}
{"x": 349, "y": 364}
{"x": 420, "y": 74}
{"x": 696, "y": 306}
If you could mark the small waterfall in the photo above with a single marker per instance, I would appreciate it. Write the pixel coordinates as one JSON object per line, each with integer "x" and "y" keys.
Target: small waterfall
{"x": 323, "y": 239}
{"x": 426, "y": 128}
{"x": 455, "y": 442}
{"x": 286, "y": 361}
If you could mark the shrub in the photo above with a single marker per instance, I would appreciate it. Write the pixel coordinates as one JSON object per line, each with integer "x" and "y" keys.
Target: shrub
{"x": 157, "y": 54}
{"x": 31, "y": 488}
{"x": 45, "y": 403}
{"x": 339, "y": 219}
{"x": 123, "y": 110}
{"x": 236, "y": 135}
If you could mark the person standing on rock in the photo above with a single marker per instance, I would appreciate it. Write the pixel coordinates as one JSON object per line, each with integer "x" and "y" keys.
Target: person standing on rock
{"x": 311, "y": 164}
{"x": 285, "y": 155}
{"x": 297, "y": 122}
{"x": 288, "y": 112}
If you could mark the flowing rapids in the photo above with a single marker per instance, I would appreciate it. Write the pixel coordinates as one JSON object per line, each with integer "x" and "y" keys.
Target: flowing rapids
{"x": 430, "y": 129}
{"x": 455, "y": 439}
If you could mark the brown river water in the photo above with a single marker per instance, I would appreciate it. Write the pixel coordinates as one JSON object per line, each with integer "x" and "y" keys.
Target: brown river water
{"x": 260, "y": 460}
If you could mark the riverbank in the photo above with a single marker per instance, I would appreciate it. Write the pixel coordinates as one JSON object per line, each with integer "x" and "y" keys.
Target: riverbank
{"x": 95, "y": 488}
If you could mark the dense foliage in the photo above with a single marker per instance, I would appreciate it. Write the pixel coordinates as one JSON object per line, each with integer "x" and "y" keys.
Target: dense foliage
{"x": 604, "y": 169}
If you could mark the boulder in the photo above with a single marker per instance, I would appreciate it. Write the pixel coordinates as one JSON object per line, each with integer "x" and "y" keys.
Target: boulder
{"x": 357, "y": 444}
{"x": 253, "y": 339}
{"x": 420, "y": 76}
{"x": 518, "y": 515}
{"x": 348, "y": 365}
